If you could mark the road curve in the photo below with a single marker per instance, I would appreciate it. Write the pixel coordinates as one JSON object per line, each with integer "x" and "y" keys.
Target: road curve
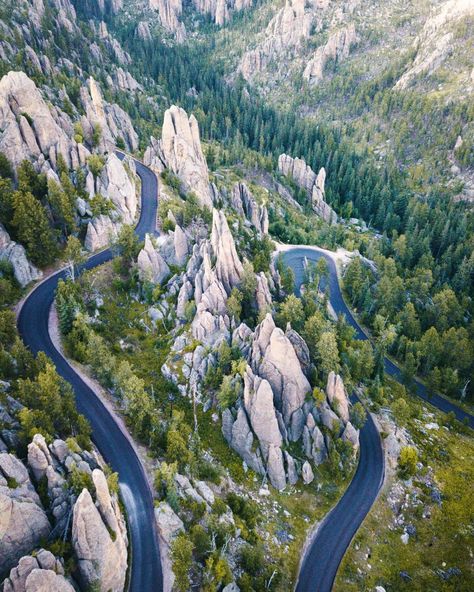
{"x": 113, "y": 443}
{"x": 333, "y": 537}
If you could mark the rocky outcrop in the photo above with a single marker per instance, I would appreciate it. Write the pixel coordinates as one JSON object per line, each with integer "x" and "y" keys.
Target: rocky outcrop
{"x": 118, "y": 185}
{"x": 286, "y": 31}
{"x": 23, "y": 521}
{"x": 337, "y": 48}
{"x": 169, "y": 525}
{"x": 30, "y": 129}
{"x": 274, "y": 358}
{"x": 174, "y": 247}
{"x": 263, "y": 297}
{"x": 183, "y": 153}
{"x": 99, "y": 538}
{"x": 244, "y": 203}
{"x": 170, "y": 12}
{"x": 221, "y": 10}
{"x": 337, "y": 396}
{"x": 112, "y": 119}
{"x": 39, "y": 573}
{"x": 124, "y": 81}
{"x": 151, "y": 265}
{"x": 15, "y": 254}
{"x": 101, "y": 231}
{"x": 435, "y": 42}
{"x": 228, "y": 267}
{"x": 304, "y": 176}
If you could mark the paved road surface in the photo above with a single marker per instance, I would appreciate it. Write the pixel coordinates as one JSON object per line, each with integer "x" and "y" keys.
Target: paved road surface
{"x": 113, "y": 443}
{"x": 327, "y": 549}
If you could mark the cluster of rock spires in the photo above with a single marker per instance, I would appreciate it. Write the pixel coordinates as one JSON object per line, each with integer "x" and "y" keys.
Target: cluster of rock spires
{"x": 180, "y": 151}
{"x": 170, "y": 12}
{"x": 34, "y": 130}
{"x": 304, "y": 176}
{"x": 245, "y": 205}
{"x": 337, "y": 48}
{"x": 286, "y": 31}
{"x": 96, "y": 527}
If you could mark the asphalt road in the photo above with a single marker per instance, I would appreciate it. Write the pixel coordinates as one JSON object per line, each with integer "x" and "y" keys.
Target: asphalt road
{"x": 327, "y": 548}
{"x": 113, "y": 443}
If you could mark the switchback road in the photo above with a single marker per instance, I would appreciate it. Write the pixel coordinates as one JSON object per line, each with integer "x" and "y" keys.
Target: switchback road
{"x": 113, "y": 443}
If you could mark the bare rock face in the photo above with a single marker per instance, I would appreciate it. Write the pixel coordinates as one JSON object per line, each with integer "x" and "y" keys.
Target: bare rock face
{"x": 228, "y": 267}
{"x": 286, "y": 31}
{"x": 337, "y": 48}
{"x": 274, "y": 358}
{"x": 263, "y": 297}
{"x": 307, "y": 473}
{"x": 313, "y": 184}
{"x": 24, "y": 271}
{"x": 300, "y": 347}
{"x": 181, "y": 147}
{"x": 337, "y": 396}
{"x": 143, "y": 31}
{"x": 169, "y": 526}
{"x": 351, "y": 435}
{"x": 170, "y": 12}
{"x": 111, "y": 118}
{"x": 151, "y": 265}
{"x": 102, "y": 556}
{"x": 245, "y": 204}
{"x": 101, "y": 231}
{"x": 32, "y": 130}
{"x": 23, "y": 521}
{"x": 220, "y": 10}
{"x": 119, "y": 186}
{"x": 435, "y": 42}
{"x": 41, "y": 573}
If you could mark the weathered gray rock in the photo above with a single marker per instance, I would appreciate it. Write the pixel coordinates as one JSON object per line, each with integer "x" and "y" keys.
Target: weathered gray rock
{"x": 151, "y": 265}
{"x": 101, "y": 231}
{"x": 102, "y": 561}
{"x": 111, "y": 118}
{"x": 24, "y": 271}
{"x": 263, "y": 298}
{"x": 169, "y": 526}
{"x": 228, "y": 267}
{"x": 170, "y": 13}
{"x": 41, "y": 573}
{"x": 240, "y": 437}
{"x": 220, "y": 10}
{"x": 337, "y": 48}
{"x": 313, "y": 184}
{"x": 307, "y": 473}
{"x": 329, "y": 418}
{"x": 118, "y": 185}
{"x": 32, "y": 130}
{"x": 301, "y": 349}
{"x": 285, "y": 32}
{"x": 23, "y": 521}
{"x": 274, "y": 358}
{"x": 292, "y": 474}
{"x": 182, "y": 152}
{"x": 245, "y": 204}
{"x": 337, "y": 396}
{"x": 350, "y": 434}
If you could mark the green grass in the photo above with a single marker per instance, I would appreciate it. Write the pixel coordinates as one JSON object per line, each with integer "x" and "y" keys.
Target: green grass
{"x": 444, "y": 536}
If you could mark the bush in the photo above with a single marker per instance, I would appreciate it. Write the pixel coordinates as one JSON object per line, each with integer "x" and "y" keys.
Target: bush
{"x": 246, "y": 509}
{"x": 407, "y": 461}
{"x": 252, "y": 559}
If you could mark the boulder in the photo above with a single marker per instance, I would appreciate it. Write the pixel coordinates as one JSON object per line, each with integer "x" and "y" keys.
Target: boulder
{"x": 307, "y": 473}
{"x": 23, "y": 271}
{"x": 101, "y": 231}
{"x": 337, "y": 396}
{"x": 151, "y": 265}
{"x": 118, "y": 185}
{"x": 169, "y": 525}
{"x": 23, "y": 521}
{"x": 41, "y": 573}
{"x": 101, "y": 556}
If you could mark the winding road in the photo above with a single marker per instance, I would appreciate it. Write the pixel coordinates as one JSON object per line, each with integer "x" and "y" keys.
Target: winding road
{"x": 334, "y": 535}
{"x": 112, "y": 441}
{"x": 328, "y": 546}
